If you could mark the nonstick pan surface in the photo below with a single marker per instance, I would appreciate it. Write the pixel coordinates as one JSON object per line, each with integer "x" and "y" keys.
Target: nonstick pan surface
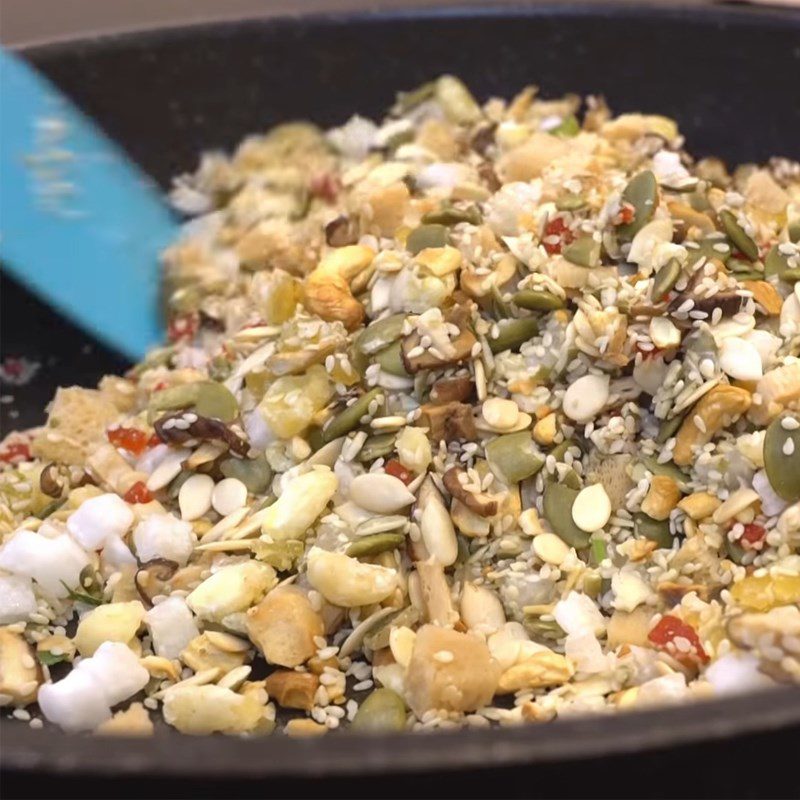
{"x": 730, "y": 76}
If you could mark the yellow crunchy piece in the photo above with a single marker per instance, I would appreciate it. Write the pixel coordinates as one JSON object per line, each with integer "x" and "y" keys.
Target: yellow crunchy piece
{"x": 77, "y": 421}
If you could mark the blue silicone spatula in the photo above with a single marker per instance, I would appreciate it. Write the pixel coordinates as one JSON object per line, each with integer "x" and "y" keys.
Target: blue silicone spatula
{"x": 80, "y": 225}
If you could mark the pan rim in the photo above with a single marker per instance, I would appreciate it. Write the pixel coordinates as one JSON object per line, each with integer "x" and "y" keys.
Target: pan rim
{"x": 168, "y": 753}
{"x": 706, "y": 12}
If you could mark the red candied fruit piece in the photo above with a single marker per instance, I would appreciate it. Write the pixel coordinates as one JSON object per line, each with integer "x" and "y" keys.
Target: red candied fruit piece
{"x": 130, "y": 439}
{"x": 183, "y": 327}
{"x": 395, "y": 468}
{"x": 626, "y": 215}
{"x": 325, "y": 186}
{"x": 138, "y": 493}
{"x": 753, "y": 536}
{"x": 15, "y": 452}
{"x": 556, "y": 227}
{"x": 666, "y": 635}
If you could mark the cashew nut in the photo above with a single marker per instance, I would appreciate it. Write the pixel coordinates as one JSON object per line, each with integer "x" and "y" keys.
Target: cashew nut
{"x": 328, "y": 292}
{"x": 722, "y": 406}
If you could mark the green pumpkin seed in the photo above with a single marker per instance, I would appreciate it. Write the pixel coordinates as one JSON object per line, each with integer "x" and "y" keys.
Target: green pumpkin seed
{"x": 793, "y": 230}
{"x": 500, "y": 308}
{"x": 380, "y": 334}
{"x": 219, "y": 368}
{"x": 665, "y": 279}
{"x": 399, "y": 137}
{"x": 749, "y": 275}
{"x": 708, "y": 248}
{"x": 568, "y": 128}
{"x": 742, "y": 267}
{"x": 390, "y": 360}
{"x": 314, "y": 439}
{"x": 375, "y": 544}
{"x": 408, "y": 100}
{"x": 172, "y": 398}
{"x": 159, "y": 357}
{"x": 50, "y": 659}
{"x": 173, "y": 490}
{"x": 51, "y": 508}
{"x": 350, "y": 418}
{"x": 734, "y": 231}
{"x": 668, "y": 470}
{"x": 457, "y": 102}
{"x": 539, "y": 628}
{"x": 585, "y": 252}
{"x": 358, "y": 360}
{"x": 450, "y": 215}
{"x": 513, "y": 334}
{"x": 378, "y": 638}
{"x": 537, "y": 300}
{"x": 282, "y": 556}
{"x": 642, "y": 193}
{"x": 735, "y": 551}
{"x": 777, "y": 263}
{"x": 702, "y": 344}
{"x": 599, "y": 551}
{"x": 782, "y": 457}
{"x": 558, "y": 500}
{"x": 208, "y": 398}
{"x": 215, "y": 401}
{"x": 513, "y": 457}
{"x": 254, "y": 473}
{"x": 377, "y": 447}
{"x": 560, "y": 450}
{"x": 185, "y": 300}
{"x": 682, "y": 185}
{"x": 427, "y": 236}
{"x": 463, "y": 550}
{"x": 383, "y": 711}
{"x": 570, "y": 478}
{"x": 592, "y": 584}
{"x": 699, "y": 201}
{"x": 655, "y": 530}
{"x": 571, "y": 202}
{"x": 669, "y": 427}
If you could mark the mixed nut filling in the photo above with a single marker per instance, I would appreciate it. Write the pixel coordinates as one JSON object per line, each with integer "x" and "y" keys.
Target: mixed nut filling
{"x": 482, "y": 414}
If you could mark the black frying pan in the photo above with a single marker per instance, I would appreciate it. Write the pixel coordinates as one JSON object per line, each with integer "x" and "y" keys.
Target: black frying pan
{"x": 731, "y": 76}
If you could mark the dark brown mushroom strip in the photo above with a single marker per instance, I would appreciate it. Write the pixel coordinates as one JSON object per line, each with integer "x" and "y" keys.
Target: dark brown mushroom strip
{"x": 460, "y": 424}
{"x": 729, "y": 302}
{"x": 483, "y": 138}
{"x": 449, "y": 421}
{"x": 489, "y": 176}
{"x": 52, "y": 480}
{"x": 672, "y": 593}
{"x": 480, "y": 503}
{"x": 462, "y": 345}
{"x": 186, "y": 426}
{"x": 151, "y": 578}
{"x": 452, "y": 390}
{"x": 211, "y": 323}
{"x": 341, "y": 231}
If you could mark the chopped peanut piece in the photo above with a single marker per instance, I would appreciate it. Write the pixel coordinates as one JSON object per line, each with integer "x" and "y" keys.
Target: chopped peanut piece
{"x": 662, "y": 497}
{"x": 699, "y": 505}
{"x": 292, "y": 689}
{"x": 721, "y": 407}
{"x": 449, "y": 670}
{"x": 283, "y": 626}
